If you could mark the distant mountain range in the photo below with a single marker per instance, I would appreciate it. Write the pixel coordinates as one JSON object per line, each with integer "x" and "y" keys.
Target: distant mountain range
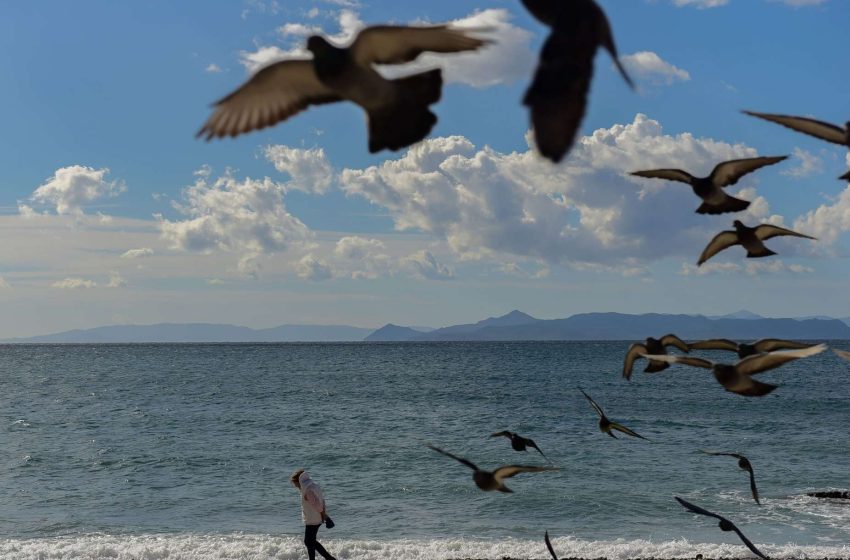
{"x": 516, "y": 325}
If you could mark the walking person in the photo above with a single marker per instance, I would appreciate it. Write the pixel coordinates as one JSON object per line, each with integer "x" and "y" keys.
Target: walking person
{"x": 312, "y": 512}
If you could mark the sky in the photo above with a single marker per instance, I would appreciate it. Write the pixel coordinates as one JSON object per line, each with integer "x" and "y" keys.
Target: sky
{"x": 112, "y": 212}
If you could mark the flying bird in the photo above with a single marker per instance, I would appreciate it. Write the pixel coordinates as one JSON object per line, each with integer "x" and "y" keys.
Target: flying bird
{"x": 557, "y": 96}
{"x": 492, "y": 480}
{"x": 743, "y": 464}
{"x": 750, "y": 238}
{"x": 842, "y": 354}
{"x": 758, "y": 347}
{"x": 549, "y": 545}
{"x": 830, "y": 495}
{"x": 606, "y": 425}
{"x": 651, "y": 346}
{"x": 725, "y": 525}
{"x": 818, "y": 129}
{"x": 710, "y": 189}
{"x": 737, "y": 378}
{"x": 518, "y": 442}
{"x": 397, "y": 110}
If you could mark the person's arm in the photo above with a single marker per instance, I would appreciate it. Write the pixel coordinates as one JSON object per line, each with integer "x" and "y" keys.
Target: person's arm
{"x": 318, "y": 504}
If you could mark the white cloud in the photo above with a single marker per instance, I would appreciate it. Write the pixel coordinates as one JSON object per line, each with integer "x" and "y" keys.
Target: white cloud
{"x": 265, "y": 55}
{"x": 4, "y": 285}
{"x": 137, "y": 253}
{"x": 809, "y": 164}
{"x": 213, "y": 68}
{"x": 309, "y": 169}
{"x": 216, "y": 282}
{"x": 701, "y": 4}
{"x": 748, "y": 267}
{"x": 649, "y": 66}
{"x": 74, "y": 284}
{"x": 311, "y": 268}
{"x": 299, "y": 30}
{"x": 801, "y": 3}
{"x": 425, "y": 264}
{"x": 828, "y": 221}
{"x": 115, "y": 280}
{"x": 71, "y": 188}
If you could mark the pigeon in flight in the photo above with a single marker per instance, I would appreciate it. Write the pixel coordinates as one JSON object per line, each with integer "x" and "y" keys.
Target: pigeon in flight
{"x": 743, "y": 464}
{"x": 557, "y": 97}
{"x": 737, "y": 378}
{"x": 750, "y": 238}
{"x": 606, "y": 425}
{"x": 397, "y": 110}
{"x": 818, "y": 129}
{"x": 743, "y": 350}
{"x": 725, "y": 525}
{"x": 651, "y": 346}
{"x": 710, "y": 189}
{"x": 492, "y": 480}
{"x": 519, "y": 443}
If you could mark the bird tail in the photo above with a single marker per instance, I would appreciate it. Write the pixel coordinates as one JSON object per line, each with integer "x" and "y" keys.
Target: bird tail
{"x": 845, "y": 177}
{"x": 409, "y": 120}
{"x": 731, "y": 204}
{"x": 426, "y": 87}
{"x": 758, "y": 253}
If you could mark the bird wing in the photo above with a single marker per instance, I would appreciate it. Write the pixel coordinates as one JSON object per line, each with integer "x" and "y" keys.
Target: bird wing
{"x": 747, "y": 386}
{"x": 686, "y": 360}
{"x": 530, "y": 443}
{"x": 606, "y": 39}
{"x": 818, "y": 129}
{"x": 758, "y": 363}
{"x": 772, "y": 344}
{"x": 723, "y": 453}
{"x": 549, "y": 546}
{"x": 669, "y": 174}
{"x": 497, "y": 434}
{"x": 721, "y": 241}
{"x": 469, "y": 464}
{"x": 273, "y": 94}
{"x": 592, "y": 402}
{"x": 696, "y": 509}
{"x": 635, "y": 351}
{"x": 387, "y": 44}
{"x": 766, "y": 231}
{"x": 673, "y": 340}
{"x": 507, "y": 471}
{"x": 753, "y": 487}
{"x": 747, "y": 542}
{"x": 728, "y": 172}
{"x": 842, "y": 354}
{"x": 625, "y": 430}
{"x": 715, "y": 344}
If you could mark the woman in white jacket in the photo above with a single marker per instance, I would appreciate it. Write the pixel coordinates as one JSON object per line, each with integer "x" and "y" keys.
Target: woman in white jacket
{"x": 312, "y": 512}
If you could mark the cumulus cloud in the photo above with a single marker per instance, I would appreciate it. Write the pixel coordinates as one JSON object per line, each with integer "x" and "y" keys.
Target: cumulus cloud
{"x": 71, "y": 283}
{"x": 808, "y": 164}
{"x": 137, "y": 253}
{"x": 425, "y": 264}
{"x": 828, "y": 221}
{"x": 649, "y": 66}
{"x": 72, "y": 188}
{"x": 750, "y": 268}
{"x": 309, "y": 169}
{"x": 311, "y": 268}
{"x": 265, "y": 55}
{"x": 213, "y": 68}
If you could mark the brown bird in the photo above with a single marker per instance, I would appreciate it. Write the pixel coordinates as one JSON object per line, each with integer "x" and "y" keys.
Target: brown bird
{"x": 743, "y": 464}
{"x": 519, "y": 443}
{"x": 737, "y": 378}
{"x": 397, "y": 110}
{"x": 492, "y": 480}
{"x": 651, "y": 346}
{"x": 750, "y": 238}
{"x": 818, "y": 129}
{"x": 842, "y": 354}
{"x": 758, "y": 347}
{"x": 725, "y": 525}
{"x": 557, "y": 97}
{"x": 710, "y": 189}
{"x": 606, "y": 425}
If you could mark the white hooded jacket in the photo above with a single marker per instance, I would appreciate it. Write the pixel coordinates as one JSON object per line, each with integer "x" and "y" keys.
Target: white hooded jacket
{"x": 312, "y": 500}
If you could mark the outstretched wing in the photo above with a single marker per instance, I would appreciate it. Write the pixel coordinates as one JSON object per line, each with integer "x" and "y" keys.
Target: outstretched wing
{"x": 635, "y": 351}
{"x": 549, "y": 546}
{"x": 508, "y": 471}
{"x": 728, "y": 172}
{"x": 273, "y": 94}
{"x": 592, "y": 402}
{"x": 625, "y": 430}
{"x": 696, "y": 509}
{"x": 386, "y": 44}
{"x": 715, "y": 344}
{"x": 758, "y": 363}
{"x": 818, "y": 129}
{"x": 721, "y": 241}
{"x": 530, "y": 443}
{"x": 606, "y": 39}
{"x": 766, "y": 231}
{"x": 669, "y": 174}
{"x": 753, "y": 487}
{"x": 673, "y": 340}
{"x": 773, "y": 344}
{"x": 505, "y": 433}
{"x": 842, "y": 353}
{"x": 747, "y": 542}
{"x": 469, "y": 464}
{"x": 721, "y": 453}
{"x": 686, "y": 360}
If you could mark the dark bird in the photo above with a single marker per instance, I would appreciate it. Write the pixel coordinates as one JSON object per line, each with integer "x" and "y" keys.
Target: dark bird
{"x": 750, "y": 238}
{"x": 710, "y": 189}
{"x": 397, "y": 110}
{"x": 830, "y": 495}
{"x": 842, "y": 354}
{"x": 743, "y": 464}
{"x": 651, "y": 346}
{"x": 758, "y": 347}
{"x": 737, "y": 378}
{"x": 818, "y": 129}
{"x": 606, "y": 425}
{"x": 549, "y": 545}
{"x": 725, "y": 525}
{"x": 518, "y": 442}
{"x": 557, "y": 97}
{"x": 492, "y": 480}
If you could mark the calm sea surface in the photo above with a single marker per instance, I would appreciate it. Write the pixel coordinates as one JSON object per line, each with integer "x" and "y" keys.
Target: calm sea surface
{"x": 184, "y": 451}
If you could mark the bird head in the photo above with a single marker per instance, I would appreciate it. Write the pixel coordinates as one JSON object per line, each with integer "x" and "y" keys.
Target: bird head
{"x": 318, "y": 45}
{"x": 738, "y": 224}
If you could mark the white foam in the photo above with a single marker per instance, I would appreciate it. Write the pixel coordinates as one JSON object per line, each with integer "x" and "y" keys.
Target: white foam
{"x": 269, "y": 547}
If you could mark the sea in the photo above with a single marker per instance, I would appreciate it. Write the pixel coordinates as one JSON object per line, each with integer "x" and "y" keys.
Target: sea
{"x": 155, "y": 452}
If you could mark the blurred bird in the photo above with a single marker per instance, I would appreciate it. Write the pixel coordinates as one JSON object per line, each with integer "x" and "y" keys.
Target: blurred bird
{"x": 710, "y": 189}
{"x": 736, "y": 378}
{"x": 750, "y": 238}
{"x": 651, "y": 346}
{"x": 557, "y": 97}
{"x": 818, "y": 129}
{"x": 842, "y": 354}
{"x": 492, "y": 480}
{"x": 518, "y": 442}
{"x": 758, "y": 347}
{"x": 830, "y": 495}
{"x": 725, "y": 524}
{"x": 606, "y": 425}
{"x": 743, "y": 464}
{"x": 397, "y": 110}
{"x": 549, "y": 545}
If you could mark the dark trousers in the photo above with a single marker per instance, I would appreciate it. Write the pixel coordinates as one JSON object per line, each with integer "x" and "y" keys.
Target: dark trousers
{"x": 313, "y": 546}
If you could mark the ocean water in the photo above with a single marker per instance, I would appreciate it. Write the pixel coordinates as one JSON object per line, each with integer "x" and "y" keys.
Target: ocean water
{"x": 184, "y": 452}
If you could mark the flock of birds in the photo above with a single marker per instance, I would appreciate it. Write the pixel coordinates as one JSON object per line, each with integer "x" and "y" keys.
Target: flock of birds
{"x": 399, "y": 115}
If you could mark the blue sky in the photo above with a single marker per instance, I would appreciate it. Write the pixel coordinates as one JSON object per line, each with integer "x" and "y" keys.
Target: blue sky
{"x": 112, "y": 212}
